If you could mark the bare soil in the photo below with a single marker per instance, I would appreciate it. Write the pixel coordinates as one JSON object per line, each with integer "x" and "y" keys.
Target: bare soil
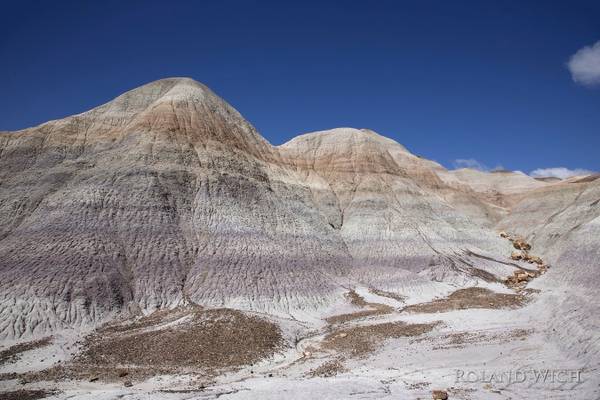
{"x": 158, "y": 317}
{"x": 462, "y": 339}
{"x": 474, "y": 297}
{"x": 361, "y": 340}
{"x": 328, "y": 369}
{"x": 26, "y": 394}
{"x": 343, "y": 318}
{"x": 394, "y": 296}
{"x": 89, "y": 372}
{"x": 419, "y": 385}
{"x": 357, "y": 300}
{"x": 192, "y": 341}
{"x": 212, "y": 339}
{"x": 7, "y": 376}
{"x": 13, "y": 353}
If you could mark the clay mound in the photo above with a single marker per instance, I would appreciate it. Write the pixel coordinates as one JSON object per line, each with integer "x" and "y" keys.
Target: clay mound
{"x": 162, "y": 197}
{"x": 166, "y": 197}
{"x": 390, "y": 207}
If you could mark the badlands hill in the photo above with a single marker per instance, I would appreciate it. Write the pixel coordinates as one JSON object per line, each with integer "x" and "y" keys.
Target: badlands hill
{"x": 167, "y": 199}
{"x": 166, "y": 195}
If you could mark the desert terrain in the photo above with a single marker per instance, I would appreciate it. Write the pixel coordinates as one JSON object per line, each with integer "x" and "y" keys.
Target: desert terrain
{"x": 158, "y": 247}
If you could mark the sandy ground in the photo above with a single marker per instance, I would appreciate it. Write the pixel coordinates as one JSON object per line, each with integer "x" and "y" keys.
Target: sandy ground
{"x": 469, "y": 352}
{"x": 486, "y": 342}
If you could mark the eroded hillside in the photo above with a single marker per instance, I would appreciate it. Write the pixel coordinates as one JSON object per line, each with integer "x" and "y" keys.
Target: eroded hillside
{"x": 159, "y": 235}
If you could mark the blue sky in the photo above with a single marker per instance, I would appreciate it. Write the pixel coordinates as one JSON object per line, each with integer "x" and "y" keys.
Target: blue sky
{"x": 450, "y": 80}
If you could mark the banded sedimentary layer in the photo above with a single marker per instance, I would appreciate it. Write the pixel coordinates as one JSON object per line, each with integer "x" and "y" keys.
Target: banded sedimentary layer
{"x": 166, "y": 196}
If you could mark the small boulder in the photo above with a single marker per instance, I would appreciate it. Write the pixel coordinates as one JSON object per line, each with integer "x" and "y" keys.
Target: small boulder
{"x": 128, "y": 384}
{"x": 439, "y": 395}
{"x": 503, "y": 235}
{"x": 520, "y": 244}
{"x": 537, "y": 260}
{"x": 521, "y": 276}
{"x": 515, "y": 255}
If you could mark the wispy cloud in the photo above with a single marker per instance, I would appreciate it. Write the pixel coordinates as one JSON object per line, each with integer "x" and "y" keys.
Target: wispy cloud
{"x": 559, "y": 172}
{"x": 585, "y": 65}
{"x": 474, "y": 164}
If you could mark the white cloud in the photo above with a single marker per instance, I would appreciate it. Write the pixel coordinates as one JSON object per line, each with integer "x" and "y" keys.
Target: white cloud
{"x": 585, "y": 65}
{"x": 474, "y": 164}
{"x": 469, "y": 163}
{"x": 559, "y": 172}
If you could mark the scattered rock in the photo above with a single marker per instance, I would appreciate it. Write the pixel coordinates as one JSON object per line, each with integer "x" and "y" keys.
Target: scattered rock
{"x": 521, "y": 244}
{"x": 536, "y": 259}
{"x": 128, "y": 384}
{"x": 519, "y": 278}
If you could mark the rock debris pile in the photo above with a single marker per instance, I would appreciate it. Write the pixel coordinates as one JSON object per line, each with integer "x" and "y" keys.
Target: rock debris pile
{"x": 520, "y": 277}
